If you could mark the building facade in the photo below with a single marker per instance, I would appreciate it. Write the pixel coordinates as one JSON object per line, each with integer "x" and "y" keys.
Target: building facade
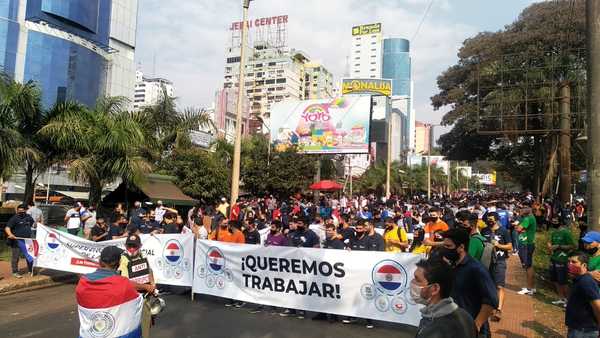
{"x": 274, "y": 74}
{"x": 150, "y": 90}
{"x": 423, "y": 137}
{"x": 365, "y": 54}
{"x": 75, "y": 50}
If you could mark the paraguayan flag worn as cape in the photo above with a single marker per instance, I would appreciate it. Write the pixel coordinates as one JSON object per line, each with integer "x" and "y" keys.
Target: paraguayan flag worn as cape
{"x": 109, "y": 306}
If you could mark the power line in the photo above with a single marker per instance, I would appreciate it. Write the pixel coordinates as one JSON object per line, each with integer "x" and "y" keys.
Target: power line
{"x": 422, "y": 20}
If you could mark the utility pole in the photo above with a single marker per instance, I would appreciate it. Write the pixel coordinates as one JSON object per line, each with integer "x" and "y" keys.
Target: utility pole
{"x": 317, "y": 178}
{"x": 388, "y": 169}
{"x": 449, "y": 177}
{"x": 429, "y": 162}
{"x": 237, "y": 144}
{"x": 565, "y": 143}
{"x": 593, "y": 118}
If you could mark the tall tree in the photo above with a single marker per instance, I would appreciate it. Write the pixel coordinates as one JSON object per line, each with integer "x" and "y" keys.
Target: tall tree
{"x": 545, "y": 33}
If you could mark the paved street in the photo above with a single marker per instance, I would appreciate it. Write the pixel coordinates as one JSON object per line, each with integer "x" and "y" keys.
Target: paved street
{"x": 52, "y": 313}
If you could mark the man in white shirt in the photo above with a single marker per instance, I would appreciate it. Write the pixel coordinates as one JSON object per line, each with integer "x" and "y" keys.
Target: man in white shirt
{"x": 159, "y": 212}
{"x": 73, "y": 219}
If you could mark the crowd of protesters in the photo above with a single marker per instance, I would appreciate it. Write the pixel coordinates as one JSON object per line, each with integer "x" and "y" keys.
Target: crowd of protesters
{"x": 465, "y": 240}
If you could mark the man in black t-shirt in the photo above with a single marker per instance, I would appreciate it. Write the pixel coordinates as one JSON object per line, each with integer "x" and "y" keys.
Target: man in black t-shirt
{"x": 331, "y": 238}
{"x": 251, "y": 234}
{"x": 18, "y": 226}
{"x": 101, "y": 231}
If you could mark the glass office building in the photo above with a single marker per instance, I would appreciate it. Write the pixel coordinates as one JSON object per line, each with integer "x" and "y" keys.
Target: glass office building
{"x": 397, "y": 67}
{"x": 74, "y": 49}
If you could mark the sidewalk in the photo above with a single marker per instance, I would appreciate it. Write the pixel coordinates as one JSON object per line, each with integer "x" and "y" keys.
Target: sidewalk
{"x": 42, "y": 278}
{"x": 525, "y": 316}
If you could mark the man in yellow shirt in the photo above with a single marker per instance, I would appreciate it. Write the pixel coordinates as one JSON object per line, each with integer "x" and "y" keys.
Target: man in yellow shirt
{"x": 394, "y": 236}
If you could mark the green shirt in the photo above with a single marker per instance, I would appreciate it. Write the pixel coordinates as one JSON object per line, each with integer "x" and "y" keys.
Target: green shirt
{"x": 561, "y": 236}
{"x": 594, "y": 263}
{"x": 476, "y": 246}
{"x": 527, "y": 237}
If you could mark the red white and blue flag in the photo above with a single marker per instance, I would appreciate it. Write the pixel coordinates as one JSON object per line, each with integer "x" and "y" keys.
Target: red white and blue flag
{"x": 389, "y": 277}
{"x": 52, "y": 241}
{"x": 173, "y": 252}
{"x": 216, "y": 261}
{"x": 29, "y": 248}
{"x": 108, "y": 306}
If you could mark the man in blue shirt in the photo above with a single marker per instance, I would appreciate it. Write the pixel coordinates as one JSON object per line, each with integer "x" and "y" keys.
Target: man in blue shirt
{"x": 473, "y": 288}
{"x": 583, "y": 307}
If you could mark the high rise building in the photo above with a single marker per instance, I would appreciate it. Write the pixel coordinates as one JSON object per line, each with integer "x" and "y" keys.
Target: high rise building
{"x": 149, "y": 90}
{"x": 75, "y": 50}
{"x": 372, "y": 55}
{"x": 365, "y": 53}
{"x": 274, "y": 72}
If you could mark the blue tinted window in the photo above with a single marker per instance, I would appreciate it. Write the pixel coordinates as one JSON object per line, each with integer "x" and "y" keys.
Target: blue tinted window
{"x": 9, "y": 35}
{"x": 9, "y": 9}
{"x": 81, "y": 12}
{"x": 396, "y": 65}
{"x": 89, "y": 19}
{"x": 64, "y": 70}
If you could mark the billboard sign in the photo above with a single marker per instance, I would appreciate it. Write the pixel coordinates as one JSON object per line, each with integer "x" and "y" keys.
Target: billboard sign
{"x": 367, "y": 86}
{"x": 373, "y": 28}
{"x": 338, "y": 126}
{"x": 486, "y": 179}
{"x": 272, "y": 20}
{"x": 201, "y": 138}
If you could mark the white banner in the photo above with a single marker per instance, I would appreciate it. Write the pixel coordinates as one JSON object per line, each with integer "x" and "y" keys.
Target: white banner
{"x": 170, "y": 255}
{"x": 363, "y": 284}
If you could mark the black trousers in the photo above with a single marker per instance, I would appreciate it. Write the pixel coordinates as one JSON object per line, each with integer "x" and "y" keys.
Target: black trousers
{"x": 14, "y": 261}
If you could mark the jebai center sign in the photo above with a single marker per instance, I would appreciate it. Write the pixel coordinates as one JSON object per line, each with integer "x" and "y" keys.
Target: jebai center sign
{"x": 367, "y": 86}
{"x": 273, "y": 20}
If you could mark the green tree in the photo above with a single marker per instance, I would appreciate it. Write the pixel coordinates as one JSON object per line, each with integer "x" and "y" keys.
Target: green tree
{"x": 544, "y": 33}
{"x": 101, "y": 145}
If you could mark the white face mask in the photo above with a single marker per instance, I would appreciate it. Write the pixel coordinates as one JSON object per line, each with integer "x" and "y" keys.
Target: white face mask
{"x": 415, "y": 293}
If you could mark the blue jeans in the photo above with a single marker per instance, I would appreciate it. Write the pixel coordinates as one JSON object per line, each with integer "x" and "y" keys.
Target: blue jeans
{"x": 573, "y": 333}
{"x": 515, "y": 240}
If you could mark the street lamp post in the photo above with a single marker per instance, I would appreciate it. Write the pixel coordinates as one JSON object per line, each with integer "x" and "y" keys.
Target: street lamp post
{"x": 431, "y": 138}
{"x": 237, "y": 144}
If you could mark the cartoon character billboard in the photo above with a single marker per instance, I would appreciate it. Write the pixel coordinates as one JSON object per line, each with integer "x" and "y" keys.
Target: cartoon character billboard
{"x": 328, "y": 126}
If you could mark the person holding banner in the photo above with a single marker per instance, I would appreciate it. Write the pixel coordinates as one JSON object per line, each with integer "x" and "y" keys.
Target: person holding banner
{"x": 18, "y": 230}
{"x": 108, "y": 303}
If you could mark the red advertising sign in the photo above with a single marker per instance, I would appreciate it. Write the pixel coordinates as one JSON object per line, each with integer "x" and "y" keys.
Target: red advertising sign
{"x": 273, "y": 20}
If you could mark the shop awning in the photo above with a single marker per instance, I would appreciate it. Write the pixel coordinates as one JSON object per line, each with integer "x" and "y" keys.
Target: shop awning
{"x": 76, "y": 195}
{"x": 162, "y": 188}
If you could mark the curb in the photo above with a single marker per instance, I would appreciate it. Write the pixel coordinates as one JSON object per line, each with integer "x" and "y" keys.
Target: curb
{"x": 36, "y": 282}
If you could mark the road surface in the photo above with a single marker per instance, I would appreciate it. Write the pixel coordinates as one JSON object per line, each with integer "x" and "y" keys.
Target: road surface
{"x": 52, "y": 312}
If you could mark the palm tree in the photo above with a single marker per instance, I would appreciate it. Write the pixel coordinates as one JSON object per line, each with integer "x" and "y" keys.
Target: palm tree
{"x": 166, "y": 128}
{"x": 106, "y": 144}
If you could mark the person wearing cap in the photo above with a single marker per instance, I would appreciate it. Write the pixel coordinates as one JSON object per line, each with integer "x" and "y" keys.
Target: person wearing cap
{"x": 394, "y": 236}
{"x": 591, "y": 245}
{"x": 18, "y": 226}
{"x": 137, "y": 214}
{"x": 134, "y": 266}
{"x": 104, "y": 288}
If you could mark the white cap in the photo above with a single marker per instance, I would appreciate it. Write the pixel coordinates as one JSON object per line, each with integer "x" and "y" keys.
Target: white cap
{"x": 223, "y": 199}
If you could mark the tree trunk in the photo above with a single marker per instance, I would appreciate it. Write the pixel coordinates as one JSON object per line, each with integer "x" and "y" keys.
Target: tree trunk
{"x": 29, "y": 183}
{"x": 95, "y": 192}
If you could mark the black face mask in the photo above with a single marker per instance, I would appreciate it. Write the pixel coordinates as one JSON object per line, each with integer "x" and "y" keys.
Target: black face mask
{"x": 21, "y": 214}
{"x": 451, "y": 255}
{"x": 555, "y": 225}
{"x": 591, "y": 251}
{"x": 273, "y": 232}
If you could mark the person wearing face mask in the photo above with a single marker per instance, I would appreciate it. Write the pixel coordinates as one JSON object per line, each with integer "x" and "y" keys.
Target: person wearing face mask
{"x": 394, "y": 236}
{"x": 468, "y": 222}
{"x": 560, "y": 245}
{"x": 434, "y": 224}
{"x": 134, "y": 266}
{"x": 591, "y": 243}
{"x": 18, "y": 226}
{"x": 226, "y": 232}
{"x": 441, "y": 317}
{"x": 582, "y": 315}
{"x": 302, "y": 236}
{"x": 473, "y": 288}
{"x": 501, "y": 246}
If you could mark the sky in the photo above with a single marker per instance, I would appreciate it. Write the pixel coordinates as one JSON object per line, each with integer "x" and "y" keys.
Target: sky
{"x": 185, "y": 41}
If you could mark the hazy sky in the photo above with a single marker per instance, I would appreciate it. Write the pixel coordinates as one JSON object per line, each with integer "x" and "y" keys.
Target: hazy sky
{"x": 187, "y": 38}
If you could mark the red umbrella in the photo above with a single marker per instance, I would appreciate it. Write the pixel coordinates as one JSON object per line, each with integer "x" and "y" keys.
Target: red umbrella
{"x": 326, "y": 185}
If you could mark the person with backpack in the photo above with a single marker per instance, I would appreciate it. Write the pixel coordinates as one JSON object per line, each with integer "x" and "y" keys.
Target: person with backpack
{"x": 477, "y": 243}
{"x": 394, "y": 236}
{"x": 499, "y": 238}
